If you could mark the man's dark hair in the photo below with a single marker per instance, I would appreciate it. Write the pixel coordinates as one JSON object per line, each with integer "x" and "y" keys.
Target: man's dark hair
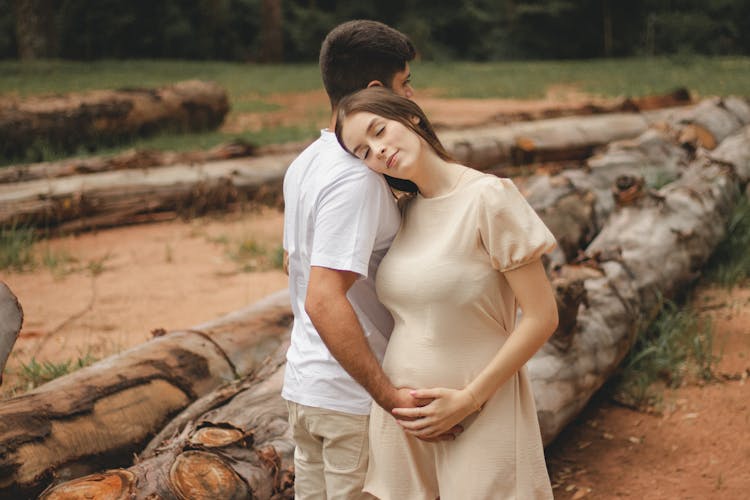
{"x": 357, "y": 52}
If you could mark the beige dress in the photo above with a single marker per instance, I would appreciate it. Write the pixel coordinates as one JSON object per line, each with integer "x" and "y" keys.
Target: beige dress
{"x": 453, "y": 309}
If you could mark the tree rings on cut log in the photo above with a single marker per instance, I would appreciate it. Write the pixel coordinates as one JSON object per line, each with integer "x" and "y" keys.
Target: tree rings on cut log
{"x": 216, "y": 437}
{"x": 111, "y": 485}
{"x": 197, "y": 475}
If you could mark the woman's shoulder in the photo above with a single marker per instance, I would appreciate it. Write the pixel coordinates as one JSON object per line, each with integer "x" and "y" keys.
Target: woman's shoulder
{"x": 490, "y": 188}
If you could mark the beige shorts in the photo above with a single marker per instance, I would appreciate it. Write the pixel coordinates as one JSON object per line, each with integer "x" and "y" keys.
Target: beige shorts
{"x": 330, "y": 459}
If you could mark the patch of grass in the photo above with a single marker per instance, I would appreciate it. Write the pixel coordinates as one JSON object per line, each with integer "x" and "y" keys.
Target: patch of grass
{"x": 250, "y": 105}
{"x": 16, "y": 245}
{"x": 97, "y": 266}
{"x": 729, "y": 265}
{"x": 251, "y": 255}
{"x": 35, "y": 373}
{"x": 676, "y": 346}
{"x": 59, "y": 262}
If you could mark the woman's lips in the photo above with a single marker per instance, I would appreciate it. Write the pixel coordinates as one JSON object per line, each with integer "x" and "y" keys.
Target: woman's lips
{"x": 391, "y": 160}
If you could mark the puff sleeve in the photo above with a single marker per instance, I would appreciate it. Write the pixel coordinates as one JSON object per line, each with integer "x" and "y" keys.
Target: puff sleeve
{"x": 510, "y": 230}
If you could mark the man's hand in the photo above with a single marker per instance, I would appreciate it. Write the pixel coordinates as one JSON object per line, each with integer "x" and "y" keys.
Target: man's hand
{"x": 446, "y": 409}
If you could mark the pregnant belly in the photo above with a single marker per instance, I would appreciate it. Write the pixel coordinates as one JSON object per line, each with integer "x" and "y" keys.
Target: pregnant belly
{"x": 423, "y": 361}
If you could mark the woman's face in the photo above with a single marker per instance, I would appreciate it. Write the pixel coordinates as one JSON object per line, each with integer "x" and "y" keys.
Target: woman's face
{"x": 386, "y": 146}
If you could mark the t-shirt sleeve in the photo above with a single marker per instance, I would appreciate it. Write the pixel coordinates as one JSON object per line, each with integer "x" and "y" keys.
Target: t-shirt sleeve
{"x": 346, "y": 224}
{"x": 510, "y": 230}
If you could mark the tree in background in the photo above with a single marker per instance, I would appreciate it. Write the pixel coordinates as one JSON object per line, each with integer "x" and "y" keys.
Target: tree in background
{"x": 271, "y": 33}
{"x": 36, "y": 36}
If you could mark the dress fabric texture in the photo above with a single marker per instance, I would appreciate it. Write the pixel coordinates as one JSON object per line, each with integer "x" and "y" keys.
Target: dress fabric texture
{"x": 453, "y": 309}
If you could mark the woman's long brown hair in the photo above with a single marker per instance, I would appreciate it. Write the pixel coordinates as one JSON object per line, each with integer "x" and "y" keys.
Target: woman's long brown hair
{"x": 383, "y": 102}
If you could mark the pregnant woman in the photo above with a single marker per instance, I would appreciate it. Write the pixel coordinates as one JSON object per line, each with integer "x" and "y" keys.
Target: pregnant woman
{"x": 466, "y": 256}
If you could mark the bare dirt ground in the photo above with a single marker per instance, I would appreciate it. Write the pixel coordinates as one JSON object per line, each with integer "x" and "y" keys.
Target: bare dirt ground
{"x": 110, "y": 289}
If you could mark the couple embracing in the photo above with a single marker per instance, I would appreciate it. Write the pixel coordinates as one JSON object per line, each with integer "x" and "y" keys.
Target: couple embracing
{"x": 405, "y": 377}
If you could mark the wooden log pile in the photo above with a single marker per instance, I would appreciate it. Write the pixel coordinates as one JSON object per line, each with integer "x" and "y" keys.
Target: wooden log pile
{"x": 635, "y": 226}
{"x": 105, "y": 116}
{"x": 100, "y": 415}
{"x": 131, "y": 195}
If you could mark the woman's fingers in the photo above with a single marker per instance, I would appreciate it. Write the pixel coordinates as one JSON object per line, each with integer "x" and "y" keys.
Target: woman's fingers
{"x": 408, "y": 412}
{"x": 415, "y": 425}
{"x": 427, "y": 393}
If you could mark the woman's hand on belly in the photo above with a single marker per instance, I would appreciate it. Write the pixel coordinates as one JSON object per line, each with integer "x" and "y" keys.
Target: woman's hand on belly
{"x": 446, "y": 410}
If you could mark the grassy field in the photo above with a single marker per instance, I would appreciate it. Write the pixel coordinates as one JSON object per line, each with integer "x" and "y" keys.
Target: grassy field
{"x": 249, "y": 85}
{"x": 523, "y": 79}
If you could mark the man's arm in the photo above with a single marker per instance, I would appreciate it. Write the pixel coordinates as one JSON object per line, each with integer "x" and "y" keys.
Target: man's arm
{"x": 335, "y": 320}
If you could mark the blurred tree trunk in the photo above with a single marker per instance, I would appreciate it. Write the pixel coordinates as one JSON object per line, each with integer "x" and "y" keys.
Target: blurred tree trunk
{"x": 271, "y": 34}
{"x": 35, "y": 28}
{"x": 607, "y": 27}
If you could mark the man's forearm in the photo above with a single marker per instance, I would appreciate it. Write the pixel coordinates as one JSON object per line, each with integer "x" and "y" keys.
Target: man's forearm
{"x": 337, "y": 323}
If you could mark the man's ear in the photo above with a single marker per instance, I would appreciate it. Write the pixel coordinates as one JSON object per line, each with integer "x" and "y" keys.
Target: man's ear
{"x": 375, "y": 83}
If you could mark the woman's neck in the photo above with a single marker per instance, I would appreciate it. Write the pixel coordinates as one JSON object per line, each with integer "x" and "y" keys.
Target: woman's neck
{"x": 437, "y": 177}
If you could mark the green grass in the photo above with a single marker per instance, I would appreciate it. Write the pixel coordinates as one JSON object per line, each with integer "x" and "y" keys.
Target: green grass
{"x": 35, "y": 373}
{"x": 604, "y": 77}
{"x": 730, "y": 263}
{"x": 678, "y": 345}
{"x": 513, "y": 79}
{"x": 16, "y": 248}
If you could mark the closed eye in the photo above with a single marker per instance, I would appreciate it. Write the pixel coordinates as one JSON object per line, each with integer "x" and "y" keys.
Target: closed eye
{"x": 379, "y": 131}
{"x": 364, "y": 155}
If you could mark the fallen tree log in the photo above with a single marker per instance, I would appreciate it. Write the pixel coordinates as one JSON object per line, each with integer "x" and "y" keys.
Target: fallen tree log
{"x": 127, "y": 160}
{"x": 569, "y": 138}
{"x": 576, "y": 203}
{"x": 648, "y": 250}
{"x": 240, "y": 449}
{"x": 113, "y": 198}
{"x": 710, "y": 122}
{"x": 11, "y": 319}
{"x": 100, "y": 415}
{"x": 105, "y": 116}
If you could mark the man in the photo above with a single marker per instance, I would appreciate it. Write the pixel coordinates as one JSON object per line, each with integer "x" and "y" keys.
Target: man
{"x": 339, "y": 221}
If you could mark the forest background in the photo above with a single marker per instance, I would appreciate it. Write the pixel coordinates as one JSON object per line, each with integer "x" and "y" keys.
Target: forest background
{"x": 290, "y": 31}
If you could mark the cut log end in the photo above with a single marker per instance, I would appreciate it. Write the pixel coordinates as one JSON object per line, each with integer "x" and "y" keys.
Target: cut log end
{"x": 111, "y": 485}
{"x": 216, "y": 437}
{"x": 197, "y": 475}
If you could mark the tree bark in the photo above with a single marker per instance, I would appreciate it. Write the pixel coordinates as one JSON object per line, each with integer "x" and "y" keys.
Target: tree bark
{"x": 11, "y": 319}
{"x": 649, "y": 249}
{"x": 128, "y": 196}
{"x": 35, "y": 29}
{"x": 100, "y": 415}
{"x": 107, "y": 116}
{"x": 271, "y": 33}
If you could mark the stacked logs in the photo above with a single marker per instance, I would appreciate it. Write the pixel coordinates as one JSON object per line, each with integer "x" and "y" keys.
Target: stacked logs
{"x": 70, "y": 200}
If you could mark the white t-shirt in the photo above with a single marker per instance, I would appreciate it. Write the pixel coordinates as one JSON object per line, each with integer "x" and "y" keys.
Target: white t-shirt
{"x": 341, "y": 215}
